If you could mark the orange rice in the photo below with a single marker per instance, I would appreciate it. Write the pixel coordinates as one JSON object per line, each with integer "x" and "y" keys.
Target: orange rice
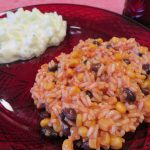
{"x": 98, "y": 92}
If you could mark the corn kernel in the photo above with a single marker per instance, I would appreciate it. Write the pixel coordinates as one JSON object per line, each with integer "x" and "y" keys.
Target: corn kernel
{"x": 115, "y": 39}
{"x": 75, "y": 54}
{"x": 105, "y": 124}
{"x": 93, "y": 143}
{"x": 79, "y": 120}
{"x": 53, "y": 116}
{"x": 147, "y": 104}
{"x": 73, "y": 63}
{"x": 80, "y": 76}
{"x": 57, "y": 126}
{"x": 44, "y": 122}
{"x": 70, "y": 72}
{"x": 116, "y": 142}
{"x": 143, "y": 49}
{"x": 75, "y": 90}
{"x": 67, "y": 145}
{"x": 140, "y": 76}
{"x": 49, "y": 86}
{"x": 131, "y": 74}
{"x": 92, "y": 46}
{"x": 123, "y": 39}
{"x": 129, "y": 67}
{"x": 105, "y": 139}
{"x": 51, "y": 73}
{"x": 118, "y": 56}
{"x": 146, "y": 84}
{"x": 83, "y": 131}
{"x": 121, "y": 107}
{"x": 100, "y": 40}
{"x": 90, "y": 123}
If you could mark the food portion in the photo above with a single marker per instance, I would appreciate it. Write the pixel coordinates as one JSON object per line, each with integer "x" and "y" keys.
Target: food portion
{"x": 95, "y": 94}
{"x": 25, "y": 34}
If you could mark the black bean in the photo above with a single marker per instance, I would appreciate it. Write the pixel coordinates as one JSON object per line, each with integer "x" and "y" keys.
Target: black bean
{"x": 44, "y": 114}
{"x": 146, "y": 68}
{"x": 49, "y": 132}
{"x": 140, "y": 54}
{"x": 89, "y": 93}
{"x": 108, "y": 46}
{"x": 85, "y": 146}
{"x": 62, "y": 117}
{"x": 42, "y": 107}
{"x": 129, "y": 95}
{"x": 70, "y": 114}
{"x": 80, "y": 145}
{"x": 53, "y": 68}
{"x": 96, "y": 42}
{"x": 145, "y": 91}
{"x": 102, "y": 148}
{"x": 95, "y": 67}
{"x": 127, "y": 61}
{"x": 85, "y": 61}
{"x": 66, "y": 130}
{"x": 77, "y": 144}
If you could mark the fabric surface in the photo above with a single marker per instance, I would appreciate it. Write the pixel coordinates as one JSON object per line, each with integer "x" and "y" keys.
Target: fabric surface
{"x": 112, "y": 5}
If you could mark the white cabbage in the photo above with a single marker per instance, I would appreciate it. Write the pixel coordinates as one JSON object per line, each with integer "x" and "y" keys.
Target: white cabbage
{"x": 25, "y": 34}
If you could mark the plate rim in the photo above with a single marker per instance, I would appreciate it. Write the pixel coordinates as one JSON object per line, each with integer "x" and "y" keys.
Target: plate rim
{"x": 140, "y": 25}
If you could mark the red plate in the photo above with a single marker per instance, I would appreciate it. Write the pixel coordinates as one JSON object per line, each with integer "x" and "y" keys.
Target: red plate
{"x": 19, "y": 130}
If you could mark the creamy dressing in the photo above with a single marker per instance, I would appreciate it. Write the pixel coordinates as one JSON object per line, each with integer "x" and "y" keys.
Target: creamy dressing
{"x": 27, "y": 34}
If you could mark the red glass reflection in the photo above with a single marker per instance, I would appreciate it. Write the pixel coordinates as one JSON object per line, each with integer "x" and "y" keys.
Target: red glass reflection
{"x": 139, "y": 10}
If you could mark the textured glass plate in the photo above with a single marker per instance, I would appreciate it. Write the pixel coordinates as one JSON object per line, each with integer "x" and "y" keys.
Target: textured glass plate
{"x": 19, "y": 129}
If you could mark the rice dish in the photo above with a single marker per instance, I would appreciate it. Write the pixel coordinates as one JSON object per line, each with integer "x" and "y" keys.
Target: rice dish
{"x": 95, "y": 94}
